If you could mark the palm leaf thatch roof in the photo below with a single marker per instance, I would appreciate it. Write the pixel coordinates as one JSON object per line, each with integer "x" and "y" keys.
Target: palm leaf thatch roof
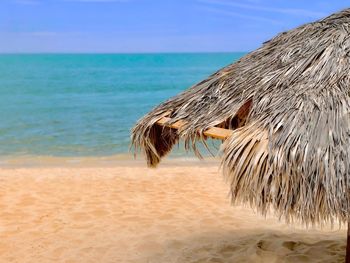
{"x": 288, "y": 105}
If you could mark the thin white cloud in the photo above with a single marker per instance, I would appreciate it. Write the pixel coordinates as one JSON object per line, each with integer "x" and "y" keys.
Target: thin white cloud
{"x": 45, "y": 34}
{"x": 287, "y": 11}
{"x": 36, "y": 2}
{"x": 98, "y": 1}
{"x": 41, "y": 33}
{"x": 27, "y": 2}
{"x": 240, "y": 15}
{"x": 254, "y": 1}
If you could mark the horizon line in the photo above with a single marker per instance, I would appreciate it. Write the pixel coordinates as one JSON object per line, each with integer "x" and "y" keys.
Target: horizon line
{"x": 119, "y": 53}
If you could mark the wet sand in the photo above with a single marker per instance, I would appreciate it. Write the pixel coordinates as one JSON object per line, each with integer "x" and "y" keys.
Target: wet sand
{"x": 179, "y": 212}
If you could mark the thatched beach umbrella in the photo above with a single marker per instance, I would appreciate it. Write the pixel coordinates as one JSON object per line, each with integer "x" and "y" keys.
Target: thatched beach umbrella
{"x": 284, "y": 110}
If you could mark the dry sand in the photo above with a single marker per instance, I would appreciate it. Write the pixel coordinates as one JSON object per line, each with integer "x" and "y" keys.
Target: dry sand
{"x": 129, "y": 213}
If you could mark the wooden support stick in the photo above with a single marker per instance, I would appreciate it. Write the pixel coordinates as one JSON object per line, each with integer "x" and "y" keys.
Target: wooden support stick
{"x": 214, "y": 132}
{"x": 347, "y": 257}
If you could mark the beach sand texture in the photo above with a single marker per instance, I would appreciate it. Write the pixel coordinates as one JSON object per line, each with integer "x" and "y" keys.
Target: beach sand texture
{"x": 129, "y": 213}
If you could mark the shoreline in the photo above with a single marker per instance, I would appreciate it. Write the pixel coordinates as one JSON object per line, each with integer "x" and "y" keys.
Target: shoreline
{"x": 27, "y": 161}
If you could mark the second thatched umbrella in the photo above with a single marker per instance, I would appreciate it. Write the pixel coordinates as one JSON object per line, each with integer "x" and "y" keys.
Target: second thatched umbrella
{"x": 287, "y": 106}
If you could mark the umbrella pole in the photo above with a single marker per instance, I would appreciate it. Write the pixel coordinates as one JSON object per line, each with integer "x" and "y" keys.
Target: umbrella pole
{"x": 347, "y": 258}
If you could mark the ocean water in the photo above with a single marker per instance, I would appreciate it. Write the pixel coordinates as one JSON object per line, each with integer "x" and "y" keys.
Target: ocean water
{"x": 85, "y": 105}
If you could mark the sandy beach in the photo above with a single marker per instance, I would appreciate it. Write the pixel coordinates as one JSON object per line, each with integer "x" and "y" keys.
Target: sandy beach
{"x": 179, "y": 212}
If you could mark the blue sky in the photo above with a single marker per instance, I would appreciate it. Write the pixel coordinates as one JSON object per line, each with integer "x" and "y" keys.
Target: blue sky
{"x": 150, "y": 25}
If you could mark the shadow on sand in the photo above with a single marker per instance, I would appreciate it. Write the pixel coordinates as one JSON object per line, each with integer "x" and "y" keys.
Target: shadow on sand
{"x": 258, "y": 246}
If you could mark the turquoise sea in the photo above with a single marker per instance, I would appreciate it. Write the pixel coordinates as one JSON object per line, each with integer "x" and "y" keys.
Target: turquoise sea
{"x": 85, "y": 105}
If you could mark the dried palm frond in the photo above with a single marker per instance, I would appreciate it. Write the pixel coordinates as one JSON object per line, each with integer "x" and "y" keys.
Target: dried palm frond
{"x": 288, "y": 103}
